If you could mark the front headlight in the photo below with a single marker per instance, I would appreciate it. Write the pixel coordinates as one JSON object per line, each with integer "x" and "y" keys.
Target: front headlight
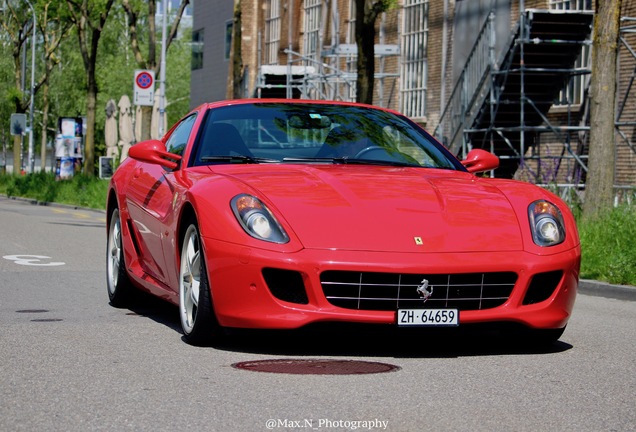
{"x": 257, "y": 220}
{"x": 546, "y": 223}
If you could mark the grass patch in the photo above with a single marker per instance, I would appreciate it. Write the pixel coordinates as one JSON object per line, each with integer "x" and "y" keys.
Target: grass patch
{"x": 81, "y": 190}
{"x": 608, "y": 246}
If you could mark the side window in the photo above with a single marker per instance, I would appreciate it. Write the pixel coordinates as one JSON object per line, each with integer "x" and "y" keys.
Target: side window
{"x": 179, "y": 138}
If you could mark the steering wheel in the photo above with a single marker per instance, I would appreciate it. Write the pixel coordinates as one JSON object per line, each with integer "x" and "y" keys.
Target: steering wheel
{"x": 368, "y": 149}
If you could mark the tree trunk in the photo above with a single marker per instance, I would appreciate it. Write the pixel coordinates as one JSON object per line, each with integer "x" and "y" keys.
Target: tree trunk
{"x": 237, "y": 59}
{"x": 367, "y": 12}
{"x": 89, "y": 145}
{"x": 600, "y": 178}
{"x": 365, "y": 63}
{"x": 146, "y": 123}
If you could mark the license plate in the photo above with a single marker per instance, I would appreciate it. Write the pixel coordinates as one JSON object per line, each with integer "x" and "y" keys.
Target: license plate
{"x": 428, "y": 317}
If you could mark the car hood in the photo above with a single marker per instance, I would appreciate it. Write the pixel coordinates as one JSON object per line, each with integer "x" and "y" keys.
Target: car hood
{"x": 387, "y": 209}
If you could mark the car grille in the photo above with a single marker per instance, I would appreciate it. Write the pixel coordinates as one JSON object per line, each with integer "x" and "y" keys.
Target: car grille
{"x": 391, "y": 291}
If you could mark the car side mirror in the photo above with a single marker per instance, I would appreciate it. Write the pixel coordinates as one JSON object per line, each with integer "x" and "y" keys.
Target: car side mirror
{"x": 478, "y": 160}
{"x": 154, "y": 152}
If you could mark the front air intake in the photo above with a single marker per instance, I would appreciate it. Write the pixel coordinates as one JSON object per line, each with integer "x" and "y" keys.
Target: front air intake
{"x": 286, "y": 285}
{"x": 542, "y": 286}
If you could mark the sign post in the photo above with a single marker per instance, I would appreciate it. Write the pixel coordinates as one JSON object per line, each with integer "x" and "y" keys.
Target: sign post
{"x": 106, "y": 167}
{"x": 144, "y": 88}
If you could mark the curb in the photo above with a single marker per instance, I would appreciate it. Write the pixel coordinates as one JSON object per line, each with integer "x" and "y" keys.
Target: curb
{"x": 603, "y": 289}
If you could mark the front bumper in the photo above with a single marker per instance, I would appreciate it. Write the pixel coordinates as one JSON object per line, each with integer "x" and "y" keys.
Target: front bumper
{"x": 242, "y": 298}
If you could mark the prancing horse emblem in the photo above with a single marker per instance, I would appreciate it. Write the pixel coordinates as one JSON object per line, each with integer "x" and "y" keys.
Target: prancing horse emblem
{"x": 424, "y": 291}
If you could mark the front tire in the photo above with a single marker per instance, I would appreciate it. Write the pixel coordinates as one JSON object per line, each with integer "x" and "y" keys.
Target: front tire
{"x": 119, "y": 286}
{"x": 198, "y": 321}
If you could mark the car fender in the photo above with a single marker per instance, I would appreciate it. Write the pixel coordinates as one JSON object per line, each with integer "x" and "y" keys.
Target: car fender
{"x": 520, "y": 195}
{"x": 210, "y": 198}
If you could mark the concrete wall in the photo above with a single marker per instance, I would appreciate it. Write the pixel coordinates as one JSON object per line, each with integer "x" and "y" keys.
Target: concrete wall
{"x": 209, "y": 83}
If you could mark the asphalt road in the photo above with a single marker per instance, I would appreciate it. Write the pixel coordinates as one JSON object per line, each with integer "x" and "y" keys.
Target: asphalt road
{"x": 71, "y": 362}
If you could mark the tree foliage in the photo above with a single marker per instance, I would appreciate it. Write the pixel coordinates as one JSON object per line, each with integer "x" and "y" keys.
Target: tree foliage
{"x": 17, "y": 25}
{"x": 63, "y": 70}
{"x": 89, "y": 19}
{"x": 17, "y": 22}
{"x": 136, "y": 11}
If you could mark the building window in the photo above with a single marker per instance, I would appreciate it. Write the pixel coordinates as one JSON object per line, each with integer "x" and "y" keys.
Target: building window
{"x": 313, "y": 15}
{"x": 229, "y": 26}
{"x": 197, "y": 49}
{"x": 413, "y": 73}
{"x": 574, "y": 91}
{"x": 351, "y": 23}
{"x": 272, "y": 32}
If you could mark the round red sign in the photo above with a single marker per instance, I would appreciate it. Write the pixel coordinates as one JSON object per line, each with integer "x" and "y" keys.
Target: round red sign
{"x": 144, "y": 80}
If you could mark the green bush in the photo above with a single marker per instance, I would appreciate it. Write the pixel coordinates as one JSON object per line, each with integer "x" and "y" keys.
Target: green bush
{"x": 81, "y": 190}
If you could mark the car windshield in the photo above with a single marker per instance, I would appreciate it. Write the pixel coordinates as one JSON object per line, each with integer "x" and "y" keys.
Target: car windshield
{"x": 315, "y": 133}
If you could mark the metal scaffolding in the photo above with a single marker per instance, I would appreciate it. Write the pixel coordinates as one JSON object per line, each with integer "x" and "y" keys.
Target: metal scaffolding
{"x": 526, "y": 103}
{"x": 320, "y": 71}
{"x": 514, "y": 105}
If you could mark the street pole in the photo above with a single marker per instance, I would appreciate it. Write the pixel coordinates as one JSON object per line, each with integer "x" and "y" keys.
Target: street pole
{"x": 162, "y": 71}
{"x": 31, "y": 156}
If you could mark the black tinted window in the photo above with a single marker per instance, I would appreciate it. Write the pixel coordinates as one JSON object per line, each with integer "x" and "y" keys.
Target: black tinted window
{"x": 179, "y": 138}
{"x": 289, "y": 132}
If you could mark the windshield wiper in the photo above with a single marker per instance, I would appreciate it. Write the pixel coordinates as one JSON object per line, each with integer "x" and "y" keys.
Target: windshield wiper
{"x": 236, "y": 159}
{"x": 308, "y": 159}
{"x": 354, "y": 161}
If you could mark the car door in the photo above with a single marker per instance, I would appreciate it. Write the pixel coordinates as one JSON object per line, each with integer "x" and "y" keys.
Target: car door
{"x": 150, "y": 196}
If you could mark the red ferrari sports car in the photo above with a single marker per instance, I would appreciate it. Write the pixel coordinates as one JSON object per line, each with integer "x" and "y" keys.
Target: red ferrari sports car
{"x": 280, "y": 213}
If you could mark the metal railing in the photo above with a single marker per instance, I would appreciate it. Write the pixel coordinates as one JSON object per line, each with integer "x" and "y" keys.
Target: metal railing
{"x": 469, "y": 90}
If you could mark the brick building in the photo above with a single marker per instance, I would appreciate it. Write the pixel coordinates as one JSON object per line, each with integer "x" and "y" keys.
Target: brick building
{"x": 477, "y": 73}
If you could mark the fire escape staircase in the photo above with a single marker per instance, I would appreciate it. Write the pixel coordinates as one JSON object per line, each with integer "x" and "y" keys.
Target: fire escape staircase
{"x": 502, "y": 106}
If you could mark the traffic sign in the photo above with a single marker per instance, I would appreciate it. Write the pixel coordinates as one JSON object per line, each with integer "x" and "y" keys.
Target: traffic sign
{"x": 18, "y": 124}
{"x": 144, "y": 88}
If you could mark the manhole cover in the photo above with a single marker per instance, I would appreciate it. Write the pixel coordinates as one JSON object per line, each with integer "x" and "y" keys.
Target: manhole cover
{"x": 316, "y": 367}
